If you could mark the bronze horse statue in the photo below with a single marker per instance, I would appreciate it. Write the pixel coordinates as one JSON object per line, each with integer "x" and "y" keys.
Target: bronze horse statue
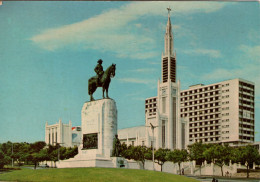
{"x": 104, "y": 81}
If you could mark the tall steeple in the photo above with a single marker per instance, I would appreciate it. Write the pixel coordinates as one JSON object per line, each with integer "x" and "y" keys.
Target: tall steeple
{"x": 166, "y": 117}
{"x": 168, "y": 58}
{"x": 168, "y": 38}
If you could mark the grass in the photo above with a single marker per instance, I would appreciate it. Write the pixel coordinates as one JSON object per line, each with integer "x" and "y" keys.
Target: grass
{"x": 90, "y": 174}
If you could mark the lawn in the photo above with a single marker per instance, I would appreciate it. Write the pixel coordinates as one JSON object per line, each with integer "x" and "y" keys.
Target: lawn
{"x": 90, "y": 174}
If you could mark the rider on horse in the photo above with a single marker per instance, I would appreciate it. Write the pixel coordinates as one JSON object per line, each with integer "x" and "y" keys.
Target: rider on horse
{"x": 102, "y": 79}
{"x": 99, "y": 70}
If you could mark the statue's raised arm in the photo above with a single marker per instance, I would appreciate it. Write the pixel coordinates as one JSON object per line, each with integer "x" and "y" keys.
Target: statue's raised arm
{"x": 102, "y": 79}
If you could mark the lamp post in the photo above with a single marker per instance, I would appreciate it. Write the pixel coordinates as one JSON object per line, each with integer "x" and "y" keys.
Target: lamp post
{"x": 58, "y": 149}
{"x": 152, "y": 127}
{"x": 12, "y": 154}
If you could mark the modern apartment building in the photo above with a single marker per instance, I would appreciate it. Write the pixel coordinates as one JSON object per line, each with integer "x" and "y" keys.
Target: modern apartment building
{"x": 220, "y": 113}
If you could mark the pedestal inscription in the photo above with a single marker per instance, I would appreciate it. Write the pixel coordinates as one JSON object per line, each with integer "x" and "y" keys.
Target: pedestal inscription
{"x": 90, "y": 141}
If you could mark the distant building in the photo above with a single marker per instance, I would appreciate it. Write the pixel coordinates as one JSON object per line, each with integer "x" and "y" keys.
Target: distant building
{"x": 220, "y": 113}
{"x": 132, "y": 136}
{"x": 63, "y": 134}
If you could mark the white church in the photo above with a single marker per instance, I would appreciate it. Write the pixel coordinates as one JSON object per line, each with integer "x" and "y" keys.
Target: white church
{"x": 163, "y": 125}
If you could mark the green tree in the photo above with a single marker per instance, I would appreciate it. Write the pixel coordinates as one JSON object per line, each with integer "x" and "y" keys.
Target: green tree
{"x": 70, "y": 152}
{"x": 177, "y": 156}
{"x": 123, "y": 148}
{"x": 25, "y": 150}
{"x": 38, "y": 153}
{"x": 257, "y": 162}
{"x": 138, "y": 153}
{"x": 247, "y": 155}
{"x": 160, "y": 156}
{"x": 126, "y": 151}
{"x": 17, "y": 151}
{"x": 149, "y": 154}
{"x": 63, "y": 152}
{"x": 4, "y": 159}
{"x": 40, "y": 156}
{"x": 37, "y": 146}
{"x": 218, "y": 154}
{"x": 6, "y": 148}
{"x": 52, "y": 152}
{"x": 196, "y": 153}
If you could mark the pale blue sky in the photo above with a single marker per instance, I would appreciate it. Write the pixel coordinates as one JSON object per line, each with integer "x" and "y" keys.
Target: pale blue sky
{"x": 48, "y": 51}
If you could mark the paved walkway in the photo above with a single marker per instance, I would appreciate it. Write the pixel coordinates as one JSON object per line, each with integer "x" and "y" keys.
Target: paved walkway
{"x": 221, "y": 179}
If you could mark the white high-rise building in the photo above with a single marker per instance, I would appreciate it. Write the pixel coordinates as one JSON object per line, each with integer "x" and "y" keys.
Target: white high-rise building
{"x": 220, "y": 113}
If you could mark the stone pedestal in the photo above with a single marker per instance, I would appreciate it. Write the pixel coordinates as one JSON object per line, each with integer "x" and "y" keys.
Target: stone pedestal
{"x": 99, "y": 119}
{"x": 99, "y": 127}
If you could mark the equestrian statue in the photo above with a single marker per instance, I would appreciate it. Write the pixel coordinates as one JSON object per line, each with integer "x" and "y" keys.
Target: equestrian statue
{"x": 102, "y": 79}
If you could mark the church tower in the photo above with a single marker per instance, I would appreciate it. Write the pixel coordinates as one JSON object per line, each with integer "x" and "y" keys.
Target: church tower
{"x": 165, "y": 119}
{"x": 168, "y": 58}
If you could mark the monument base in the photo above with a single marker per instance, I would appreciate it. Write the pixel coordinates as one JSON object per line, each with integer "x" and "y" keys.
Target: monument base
{"x": 112, "y": 162}
{"x": 99, "y": 127}
{"x": 74, "y": 163}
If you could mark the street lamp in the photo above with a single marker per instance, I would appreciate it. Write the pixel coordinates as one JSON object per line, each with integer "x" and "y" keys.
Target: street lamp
{"x": 12, "y": 154}
{"x": 152, "y": 127}
{"x": 58, "y": 149}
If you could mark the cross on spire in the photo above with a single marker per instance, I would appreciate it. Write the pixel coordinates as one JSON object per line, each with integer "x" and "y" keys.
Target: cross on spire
{"x": 169, "y": 9}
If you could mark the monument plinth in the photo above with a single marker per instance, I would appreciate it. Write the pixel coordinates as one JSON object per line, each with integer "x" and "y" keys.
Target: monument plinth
{"x": 99, "y": 127}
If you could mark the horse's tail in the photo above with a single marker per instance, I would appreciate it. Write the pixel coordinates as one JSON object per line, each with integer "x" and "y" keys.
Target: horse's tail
{"x": 91, "y": 86}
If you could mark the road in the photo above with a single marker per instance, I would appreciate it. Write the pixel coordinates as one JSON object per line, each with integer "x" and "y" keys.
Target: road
{"x": 209, "y": 179}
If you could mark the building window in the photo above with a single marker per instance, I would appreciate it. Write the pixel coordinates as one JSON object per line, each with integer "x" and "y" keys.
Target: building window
{"x": 142, "y": 143}
{"x": 164, "y": 105}
{"x": 52, "y": 142}
{"x": 163, "y": 133}
{"x": 56, "y": 137}
{"x": 133, "y": 143}
{"x": 49, "y": 138}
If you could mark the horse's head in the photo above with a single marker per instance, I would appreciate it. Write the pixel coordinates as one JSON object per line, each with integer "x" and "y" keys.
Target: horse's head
{"x": 112, "y": 70}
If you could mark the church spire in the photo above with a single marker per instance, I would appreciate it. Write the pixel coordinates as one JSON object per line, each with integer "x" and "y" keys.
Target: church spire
{"x": 168, "y": 39}
{"x": 168, "y": 59}
{"x": 169, "y": 26}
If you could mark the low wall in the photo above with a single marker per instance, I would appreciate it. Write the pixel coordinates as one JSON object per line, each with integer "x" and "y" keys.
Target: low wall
{"x": 213, "y": 169}
{"x": 167, "y": 166}
{"x": 189, "y": 167}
